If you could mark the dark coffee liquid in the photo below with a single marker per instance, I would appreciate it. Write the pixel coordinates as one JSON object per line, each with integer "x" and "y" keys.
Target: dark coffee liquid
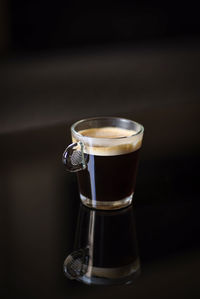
{"x": 109, "y": 178}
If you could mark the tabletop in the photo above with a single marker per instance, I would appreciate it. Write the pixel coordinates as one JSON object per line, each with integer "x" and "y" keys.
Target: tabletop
{"x": 39, "y": 215}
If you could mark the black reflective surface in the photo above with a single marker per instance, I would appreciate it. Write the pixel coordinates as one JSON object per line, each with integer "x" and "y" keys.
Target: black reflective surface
{"x": 39, "y": 211}
{"x": 105, "y": 249}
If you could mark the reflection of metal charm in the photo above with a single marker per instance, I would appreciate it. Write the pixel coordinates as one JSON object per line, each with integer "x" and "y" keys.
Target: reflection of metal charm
{"x": 76, "y": 263}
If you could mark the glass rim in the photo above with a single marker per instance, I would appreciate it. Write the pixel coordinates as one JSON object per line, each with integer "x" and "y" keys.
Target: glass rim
{"x": 73, "y": 130}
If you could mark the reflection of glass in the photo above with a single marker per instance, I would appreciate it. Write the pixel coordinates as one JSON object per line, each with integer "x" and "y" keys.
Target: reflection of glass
{"x": 105, "y": 154}
{"x": 105, "y": 247}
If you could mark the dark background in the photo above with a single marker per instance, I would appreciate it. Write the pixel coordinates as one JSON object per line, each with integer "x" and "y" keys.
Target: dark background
{"x": 62, "y": 61}
{"x": 37, "y": 25}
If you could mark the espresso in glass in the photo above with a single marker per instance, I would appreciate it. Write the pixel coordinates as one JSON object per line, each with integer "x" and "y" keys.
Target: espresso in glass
{"x": 111, "y": 172}
{"x": 108, "y": 151}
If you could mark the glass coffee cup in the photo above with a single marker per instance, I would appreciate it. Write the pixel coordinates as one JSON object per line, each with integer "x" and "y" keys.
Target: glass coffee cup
{"x": 105, "y": 155}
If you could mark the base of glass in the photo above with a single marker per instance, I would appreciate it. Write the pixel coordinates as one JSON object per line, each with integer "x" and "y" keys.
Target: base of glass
{"x": 107, "y": 205}
{"x": 111, "y": 276}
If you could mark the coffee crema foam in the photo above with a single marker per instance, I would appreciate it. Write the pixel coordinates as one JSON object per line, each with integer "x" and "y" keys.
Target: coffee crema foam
{"x": 107, "y": 132}
{"x": 112, "y": 133}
